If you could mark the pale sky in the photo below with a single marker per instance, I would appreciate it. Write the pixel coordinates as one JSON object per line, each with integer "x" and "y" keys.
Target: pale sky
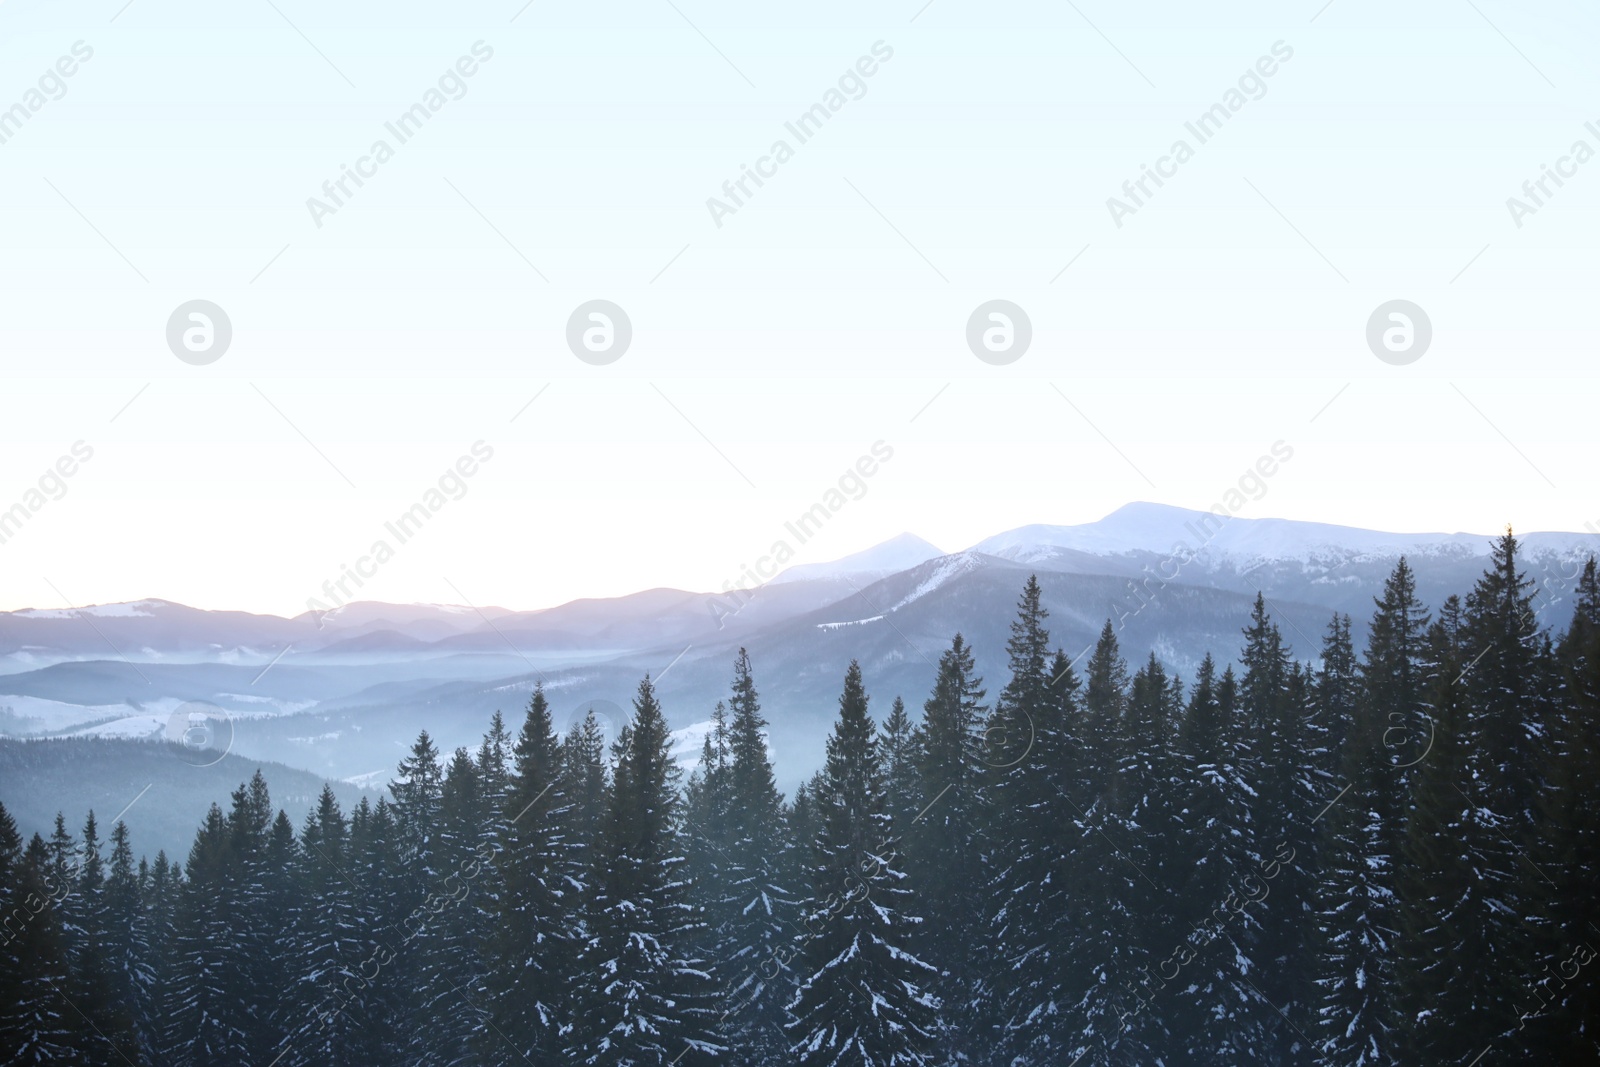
{"x": 828, "y": 312}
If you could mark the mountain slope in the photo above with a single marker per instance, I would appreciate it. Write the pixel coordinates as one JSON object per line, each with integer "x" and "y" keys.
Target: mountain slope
{"x": 165, "y": 795}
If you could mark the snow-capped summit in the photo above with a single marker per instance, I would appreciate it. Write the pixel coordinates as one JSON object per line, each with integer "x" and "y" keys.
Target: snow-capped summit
{"x": 899, "y": 553}
{"x": 126, "y": 610}
{"x": 1161, "y": 528}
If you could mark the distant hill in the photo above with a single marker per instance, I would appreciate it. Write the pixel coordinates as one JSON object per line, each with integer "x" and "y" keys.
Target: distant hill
{"x": 168, "y": 794}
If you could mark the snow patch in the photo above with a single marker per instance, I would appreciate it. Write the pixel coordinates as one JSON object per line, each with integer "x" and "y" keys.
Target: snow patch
{"x": 949, "y": 567}
{"x": 853, "y": 622}
{"x": 131, "y": 609}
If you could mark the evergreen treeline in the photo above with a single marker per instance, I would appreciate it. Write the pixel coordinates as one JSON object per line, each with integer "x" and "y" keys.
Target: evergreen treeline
{"x": 1382, "y": 856}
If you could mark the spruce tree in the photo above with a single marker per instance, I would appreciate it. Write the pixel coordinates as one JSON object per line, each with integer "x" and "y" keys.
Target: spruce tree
{"x": 37, "y": 1025}
{"x": 249, "y": 954}
{"x": 707, "y": 831}
{"x": 1508, "y": 711}
{"x": 585, "y": 779}
{"x": 1105, "y": 682}
{"x": 643, "y": 998}
{"x": 1217, "y": 1017}
{"x": 1565, "y": 1006}
{"x": 442, "y": 938}
{"x": 1281, "y": 764}
{"x": 331, "y": 943}
{"x": 1362, "y": 831}
{"x": 754, "y": 905}
{"x": 1441, "y": 896}
{"x": 864, "y": 999}
{"x": 418, "y": 792}
{"x": 128, "y": 955}
{"x": 107, "y": 1027}
{"x": 1099, "y": 964}
{"x": 390, "y": 972}
{"x": 279, "y": 907}
{"x": 14, "y": 917}
{"x": 531, "y": 946}
{"x": 494, "y": 760}
{"x": 207, "y": 1029}
{"x": 1143, "y": 825}
{"x": 1338, "y": 685}
{"x": 945, "y": 840}
{"x": 65, "y": 859}
{"x": 163, "y": 895}
{"x": 898, "y": 742}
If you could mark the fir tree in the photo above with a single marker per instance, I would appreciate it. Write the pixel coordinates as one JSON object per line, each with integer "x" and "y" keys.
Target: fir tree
{"x": 898, "y": 742}
{"x": 330, "y": 941}
{"x": 249, "y": 955}
{"x": 1359, "y": 918}
{"x": 585, "y": 780}
{"x": 1106, "y": 682}
{"x": 531, "y": 947}
{"x": 1507, "y": 708}
{"x": 1440, "y": 895}
{"x": 207, "y": 1027}
{"x": 1508, "y": 715}
{"x": 945, "y": 841}
{"x": 754, "y": 906}
{"x": 128, "y": 956}
{"x": 1142, "y": 823}
{"x": 1338, "y": 684}
{"x": 450, "y": 943}
{"x": 1565, "y": 1006}
{"x": 15, "y": 914}
{"x": 1217, "y": 1017}
{"x": 864, "y": 1000}
{"x": 107, "y": 1031}
{"x": 1275, "y": 703}
{"x": 494, "y": 760}
{"x": 391, "y": 974}
{"x": 706, "y": 821}
{"x": 418, "y": 793}
{"x": 643, "y": 1000}
{"x": 163, "y": 895}
{"x": 278, "y": 909}
{"x": 37, "y": 1024}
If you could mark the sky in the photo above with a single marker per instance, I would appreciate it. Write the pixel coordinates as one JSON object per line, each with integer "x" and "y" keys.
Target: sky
{"x": 390, "y": 337}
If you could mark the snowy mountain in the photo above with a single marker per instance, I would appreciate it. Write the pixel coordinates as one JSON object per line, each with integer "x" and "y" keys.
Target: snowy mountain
{"x": 892, "y": 556}
{"x": 344, "y": 698}
{"x": 1161, "y": 529}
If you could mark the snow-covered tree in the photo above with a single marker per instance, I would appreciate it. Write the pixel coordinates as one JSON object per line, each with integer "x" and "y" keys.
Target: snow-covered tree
{"x": 532, "y": 940}
{"x": 642, "y": 999}
{"x": 1359, "y": 918}
{"x": 865, "y": 1000}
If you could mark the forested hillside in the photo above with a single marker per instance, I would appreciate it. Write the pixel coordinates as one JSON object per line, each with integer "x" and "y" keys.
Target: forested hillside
{"x": 1384, "y": 855}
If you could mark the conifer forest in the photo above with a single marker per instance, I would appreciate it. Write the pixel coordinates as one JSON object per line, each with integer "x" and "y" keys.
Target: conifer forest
{"x": 1338, "y": 855}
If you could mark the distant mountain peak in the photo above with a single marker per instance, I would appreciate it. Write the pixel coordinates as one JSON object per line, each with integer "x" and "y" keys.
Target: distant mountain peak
{"x": 1142, "y": 526}
{"x": 900, "y": 552}
{"x": 126, "y": 609}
